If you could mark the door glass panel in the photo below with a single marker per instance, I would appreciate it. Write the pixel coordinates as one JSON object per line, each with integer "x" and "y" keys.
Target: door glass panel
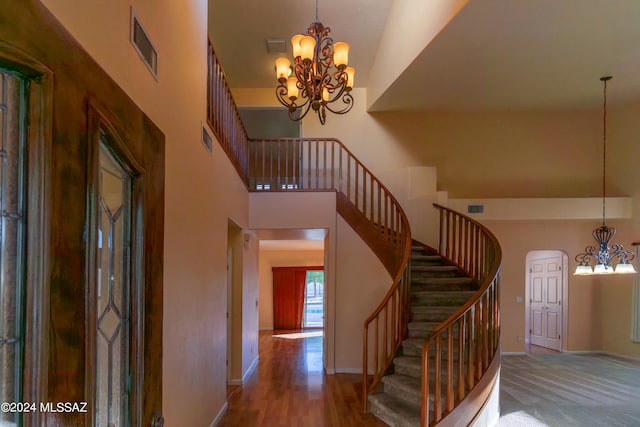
{"x": 314, "y": 300}
{"x": 114, "y": 285}
{"x": 12, "y": 159}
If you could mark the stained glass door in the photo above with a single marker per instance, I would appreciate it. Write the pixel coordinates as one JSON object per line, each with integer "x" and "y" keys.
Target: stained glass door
{"x": 113, "y": 291}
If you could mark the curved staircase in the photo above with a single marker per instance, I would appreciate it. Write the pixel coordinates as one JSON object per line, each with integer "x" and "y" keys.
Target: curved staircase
{"x": 433, "y": 341}
{"x": 438, "y": 290}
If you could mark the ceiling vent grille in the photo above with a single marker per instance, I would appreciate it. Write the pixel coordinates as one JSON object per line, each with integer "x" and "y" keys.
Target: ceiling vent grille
{"x": 475, "y": 209}
{"x": 143, "y": 45}
{"x": 276, "y": 46}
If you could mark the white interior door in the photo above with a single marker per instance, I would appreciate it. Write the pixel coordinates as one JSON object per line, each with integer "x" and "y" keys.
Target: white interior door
{"x": 546, "y": 302}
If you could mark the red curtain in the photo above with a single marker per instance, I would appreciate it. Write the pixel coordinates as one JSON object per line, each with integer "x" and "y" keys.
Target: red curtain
{"x": 288, "y": 296}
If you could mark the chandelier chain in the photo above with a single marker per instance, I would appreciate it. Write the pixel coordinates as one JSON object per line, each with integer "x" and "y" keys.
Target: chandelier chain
{"x": 317, "y": 20}
{"x": 604, "y": 149}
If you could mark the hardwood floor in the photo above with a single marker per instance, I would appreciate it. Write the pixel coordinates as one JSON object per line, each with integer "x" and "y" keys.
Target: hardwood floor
{"x": 290, "y": 389}
{"x": 541, "y": 388}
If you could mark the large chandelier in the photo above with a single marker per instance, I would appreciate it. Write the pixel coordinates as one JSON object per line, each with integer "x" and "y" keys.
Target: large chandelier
{"x": 320, "y": 75}
{"x": 606, "y": 253}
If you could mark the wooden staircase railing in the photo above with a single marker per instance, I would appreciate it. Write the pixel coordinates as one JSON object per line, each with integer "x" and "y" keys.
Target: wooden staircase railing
{"x": 475, "y": 326}
{"x": 368, "y": 206}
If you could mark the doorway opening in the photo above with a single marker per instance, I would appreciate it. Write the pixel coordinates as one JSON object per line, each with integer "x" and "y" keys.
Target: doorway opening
{"x": 546, "y": 301}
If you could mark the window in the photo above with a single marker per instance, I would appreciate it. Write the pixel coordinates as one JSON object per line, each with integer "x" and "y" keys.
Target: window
{"x": 314, "y": 299}
{"x": 12, "y": 240}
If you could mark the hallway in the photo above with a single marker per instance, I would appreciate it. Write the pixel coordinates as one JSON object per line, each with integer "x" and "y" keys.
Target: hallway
{"x": 289, "y": 388}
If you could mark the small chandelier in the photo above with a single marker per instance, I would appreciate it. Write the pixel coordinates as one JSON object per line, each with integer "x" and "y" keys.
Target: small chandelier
{"x": 320, "y": 75}
{"x": 603, "y": 234}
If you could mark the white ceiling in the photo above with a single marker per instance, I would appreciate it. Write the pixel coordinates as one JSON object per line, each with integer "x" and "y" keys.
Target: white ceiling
{"x": 496, "y": 54}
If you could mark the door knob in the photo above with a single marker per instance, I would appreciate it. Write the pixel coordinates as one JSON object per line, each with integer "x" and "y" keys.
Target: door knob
{"x": 157, "y": 420}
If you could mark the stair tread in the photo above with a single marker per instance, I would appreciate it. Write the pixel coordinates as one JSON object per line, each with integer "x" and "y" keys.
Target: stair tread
{"x": 412, "y": 361}
{"x": 434, "y": 268}
{"x": 442, "y": 280}
{"x": 424, "y": 257}
{"x": 404, "y": 382}
{"x": 423, "y": 325}
{"x": 404, "y": 413}
{"x": 446, "y": 294}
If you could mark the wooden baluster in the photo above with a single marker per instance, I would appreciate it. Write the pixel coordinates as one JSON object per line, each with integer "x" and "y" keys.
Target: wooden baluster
{"x": 279, "y": 177}
{"x": 349, "y": 177}
{"x": 485, "y": 334}
{"x": 477, "y": 343}
{"x": 424, "y": 413}
{"x": 376, "y": 346}
{"x": 450, "y": 396}
{"x": 470, "y": 315}
{"x": 461, "y": 356}
{"x": 379, "y": 205}
{"x": 317, "y": 144}
{"x": 325, "y": 169}
{"x": 394, "y": 323}
{"x": 437, "y": 405}
{"x": 333, "y": 164}
{"x": 364, "y": 191}
{"x": 385, "y": 332}
{"x": 340, "y": 188}
{"x": 385, "y": 230}
{"x": 357, "y": 187}
{"x": 460, "y": 253}
{"x": 365, "y": 370}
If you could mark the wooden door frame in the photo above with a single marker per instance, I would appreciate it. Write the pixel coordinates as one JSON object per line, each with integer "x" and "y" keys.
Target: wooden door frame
{"x": 55, "y": 370}
{"x": 540, "y": 254}
{"x": 38, "y": 193}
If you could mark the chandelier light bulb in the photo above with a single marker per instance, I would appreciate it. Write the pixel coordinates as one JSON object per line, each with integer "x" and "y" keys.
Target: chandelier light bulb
{"x": 341, "y": 54}
{"x": 283, "y": 68}
{"x": 295, "y": 44}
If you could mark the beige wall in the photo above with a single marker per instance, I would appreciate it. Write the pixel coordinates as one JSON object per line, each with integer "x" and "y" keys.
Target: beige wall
{"x": 280, "y": 258}
{"x": 410, "y": 27}
{"x": 361, "y": 282}
{"x": 202, "y": 190}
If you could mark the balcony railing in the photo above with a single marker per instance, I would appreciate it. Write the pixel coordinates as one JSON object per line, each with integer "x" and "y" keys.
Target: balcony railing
{"x": 224, "y": 118}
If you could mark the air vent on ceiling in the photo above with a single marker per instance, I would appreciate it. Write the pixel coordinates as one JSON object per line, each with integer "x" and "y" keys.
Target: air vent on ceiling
{"x": 143, "y": 45}
{"x": 276, "y": 46}
{"x": 207, "y": 139}
{"x": 475, "y": 209}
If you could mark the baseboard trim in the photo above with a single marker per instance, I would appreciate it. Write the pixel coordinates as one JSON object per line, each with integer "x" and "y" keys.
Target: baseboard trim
{"x": 245, "y": 377}
{"x": 330, "y": 371}
{"x": 218, "y": 417}
{"x": 349, "y": 371}
{"x": 621, "y": 356}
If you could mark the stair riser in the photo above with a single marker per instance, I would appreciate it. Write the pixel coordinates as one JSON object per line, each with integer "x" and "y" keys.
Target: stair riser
{"x": 393, "y": 418}
{"x": 432, "y": 274}
{"x": 409, "y": 350}
{"x": 442, "y": 313}
{"x": 440, "y": 298}
{"x": 421, "y": 286}
{"x": 416, "y": 372}
{"x": 409, "y": 396}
